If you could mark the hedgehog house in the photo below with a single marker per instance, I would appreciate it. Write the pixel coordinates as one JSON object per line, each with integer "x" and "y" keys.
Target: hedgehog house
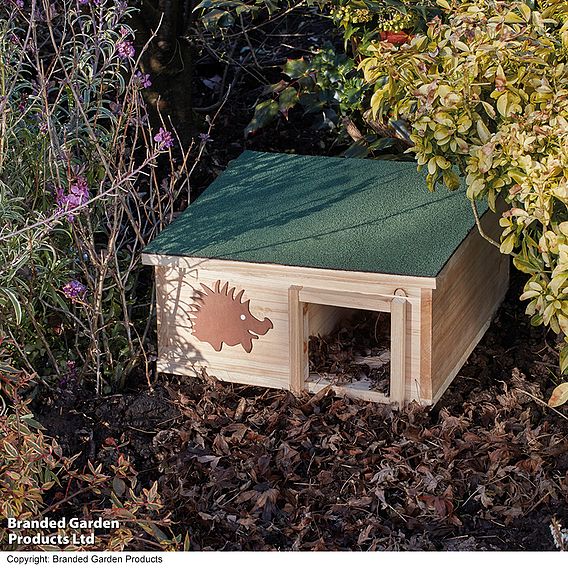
{"x": 282, "y": 247}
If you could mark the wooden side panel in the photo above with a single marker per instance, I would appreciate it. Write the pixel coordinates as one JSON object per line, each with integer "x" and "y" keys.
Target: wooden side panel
{"x": 162, "y": 305}
{"x": 266, "y": 286}
{"x": 267, "y": 362}
{"x": 426, "y": 345}
{"x": 322, "y": 320}
{"x": 345, "y": 299}
{"x": 399, "y": 335}
{"x": 469, "y": 290}
{"x": 359, "y": 390}
{"x": 363, "y": 282}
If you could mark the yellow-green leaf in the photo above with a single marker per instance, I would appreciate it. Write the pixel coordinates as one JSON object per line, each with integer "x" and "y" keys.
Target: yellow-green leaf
{"x": 432, "y": 166}
{"x": 451, "y": 180}
{"x": 502, "y": 104}
{"x": 483, "y": 131}
{"x": 377, "y": 100}
{"x": 512, "y": 18}
{"x": 508, "y": 244}
{"x": 526, "y": 11}
{"x": 559, "y": 395}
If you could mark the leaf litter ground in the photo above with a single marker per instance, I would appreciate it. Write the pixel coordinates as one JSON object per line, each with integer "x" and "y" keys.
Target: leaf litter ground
{"x": 244, "y": 468}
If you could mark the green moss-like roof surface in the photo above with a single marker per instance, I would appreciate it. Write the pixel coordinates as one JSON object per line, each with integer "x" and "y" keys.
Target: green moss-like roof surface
{"x": 338, "y": 213}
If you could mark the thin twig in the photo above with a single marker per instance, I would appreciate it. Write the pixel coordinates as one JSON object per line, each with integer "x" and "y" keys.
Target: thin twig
{"x": 66, "y": 499}
{"x": 480, "y": 228}
{"x": 543, "y": 403}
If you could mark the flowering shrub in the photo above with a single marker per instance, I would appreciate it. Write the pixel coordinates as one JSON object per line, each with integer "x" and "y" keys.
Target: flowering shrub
{"x": 85, "y": 182}
{"x": 125, "y": 49}
{"x": 74, "y": 290}
{"x": 143, "y": 79}
{"x": 77, "y": 196}
{"x": 164, "y": 138}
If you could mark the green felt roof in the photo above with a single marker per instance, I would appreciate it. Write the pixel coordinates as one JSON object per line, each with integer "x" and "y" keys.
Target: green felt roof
{"x": 339, "y": 213}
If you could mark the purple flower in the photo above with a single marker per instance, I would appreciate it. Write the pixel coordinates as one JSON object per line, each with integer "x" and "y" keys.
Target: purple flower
{"x": 116, "y": 107}
{"x": 68, "y": 377}
{"x": 23, "y": 102}
{"x": 164, "y": 138}
{"x": 77, "y": 196}
{"x": 125, "y": 49}
{"x": 95, "y": 2}
{"x": 204, "y": 137}
{"x": 143, "y": 79}
{"x": 74, "y": 290}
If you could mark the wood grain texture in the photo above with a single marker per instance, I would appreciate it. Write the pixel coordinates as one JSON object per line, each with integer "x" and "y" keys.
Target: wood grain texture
{"x": 460, "y": 362}
{"x": 359, "y": 390}
{"x": 296, "y": 340}
{"x": 353, "y": 300}
{"x": 425, "y": 389}
{"x": 323, "y": 320}
{"x": 468, "y": 292}
{"x": 398, "y": 351}
{"x": 238, "y": 374}
{"x": 349, "y": 280}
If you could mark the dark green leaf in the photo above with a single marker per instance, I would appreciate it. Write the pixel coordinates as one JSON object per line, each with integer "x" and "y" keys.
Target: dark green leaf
{"x": 264, "y": 114}
{"x": 295, "y": 68}
{"x": 287, "y": 100}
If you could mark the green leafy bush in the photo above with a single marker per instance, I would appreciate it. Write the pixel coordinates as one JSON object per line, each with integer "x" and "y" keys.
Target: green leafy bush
{"x": 218, "y": 15}
{"x": 486, "y": 93}
{"x": 326, "y": 86}
{"x": 329, "y": 87}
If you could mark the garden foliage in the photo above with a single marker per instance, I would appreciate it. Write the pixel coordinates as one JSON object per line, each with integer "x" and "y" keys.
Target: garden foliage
{"x": 329, "y": 88}
{"x": 85, "y": 181}
{"x": 29, "y": 463}
{"x": 37, "y": 479}
{"x": 485, "y": 90}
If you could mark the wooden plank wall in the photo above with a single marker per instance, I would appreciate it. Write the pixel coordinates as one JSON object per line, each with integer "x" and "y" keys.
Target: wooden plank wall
{"x": 469, "y": 290}
{"x": 267, "y": 287}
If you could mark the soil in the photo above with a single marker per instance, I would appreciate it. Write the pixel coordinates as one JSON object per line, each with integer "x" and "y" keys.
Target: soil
{"x": 258, "y": 469}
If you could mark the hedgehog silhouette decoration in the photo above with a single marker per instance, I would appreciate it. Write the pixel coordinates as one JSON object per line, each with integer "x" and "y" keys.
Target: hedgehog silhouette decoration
{"x": 219, "y": 316}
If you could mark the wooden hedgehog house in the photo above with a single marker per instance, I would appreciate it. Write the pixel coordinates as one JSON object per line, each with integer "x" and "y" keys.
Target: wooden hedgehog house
{"x": 281, "y": 247}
